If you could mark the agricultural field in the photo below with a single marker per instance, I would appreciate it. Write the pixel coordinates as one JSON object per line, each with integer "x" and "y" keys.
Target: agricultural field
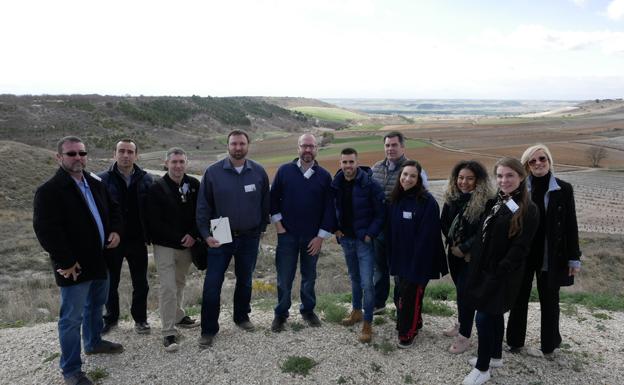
{"x": 331, "y": 114}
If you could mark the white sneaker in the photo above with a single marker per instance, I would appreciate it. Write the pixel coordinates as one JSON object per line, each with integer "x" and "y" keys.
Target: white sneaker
{"x": 476, "y": 377}
{"x": 494, "y": 362}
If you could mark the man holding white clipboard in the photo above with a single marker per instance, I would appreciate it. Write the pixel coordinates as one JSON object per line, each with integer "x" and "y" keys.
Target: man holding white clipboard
{"x": 232, "y": 212}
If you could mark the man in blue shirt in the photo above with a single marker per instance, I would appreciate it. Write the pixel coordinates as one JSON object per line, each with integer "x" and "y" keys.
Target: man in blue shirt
{"x": 75, "y": 219}
{"x": 236, "y": 188}
{"x": 303, "y": 213}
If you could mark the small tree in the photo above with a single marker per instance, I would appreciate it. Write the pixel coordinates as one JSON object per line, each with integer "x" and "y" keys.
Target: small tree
{"x": 595, "y": 155}
{"x": 327, "y": 138}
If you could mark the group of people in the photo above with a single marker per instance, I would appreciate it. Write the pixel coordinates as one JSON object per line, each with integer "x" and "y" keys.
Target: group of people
{"x": 383, "y": 217}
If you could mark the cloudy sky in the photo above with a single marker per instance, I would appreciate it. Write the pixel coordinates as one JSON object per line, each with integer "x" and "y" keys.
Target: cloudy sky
{"x": 531, "y": 49}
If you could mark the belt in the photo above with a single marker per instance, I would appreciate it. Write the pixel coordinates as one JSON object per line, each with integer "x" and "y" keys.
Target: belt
{"x": 243, "y": 233}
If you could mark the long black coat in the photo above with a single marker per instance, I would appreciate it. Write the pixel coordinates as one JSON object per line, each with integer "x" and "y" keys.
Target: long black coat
{"x": 449, "y": 212}
{"x": 497, "y": 265}
{"x": 67, "y": 230}
{"x": 562, "y": 244}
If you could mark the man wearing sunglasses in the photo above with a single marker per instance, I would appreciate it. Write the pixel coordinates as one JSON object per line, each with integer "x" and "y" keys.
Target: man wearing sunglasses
{"x": 75, "y": 220}
{"x": 128, "y": 185}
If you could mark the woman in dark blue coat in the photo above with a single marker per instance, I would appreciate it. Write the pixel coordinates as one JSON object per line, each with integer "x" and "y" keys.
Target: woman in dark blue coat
{"x": 415, "y": 247}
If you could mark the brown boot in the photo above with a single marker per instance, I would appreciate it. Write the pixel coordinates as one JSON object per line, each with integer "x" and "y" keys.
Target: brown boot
{"x": 367, "y": 333}
{"x": 353, "y": 318}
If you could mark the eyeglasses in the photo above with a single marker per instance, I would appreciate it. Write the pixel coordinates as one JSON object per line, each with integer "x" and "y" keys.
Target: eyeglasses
{"x": 71, "y": 154}
{"x": 542, "y": 159}
{"x": 308, "y": 146}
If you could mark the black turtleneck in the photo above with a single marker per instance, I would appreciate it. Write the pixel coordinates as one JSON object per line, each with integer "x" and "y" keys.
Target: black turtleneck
{"x": 539, "y": 187}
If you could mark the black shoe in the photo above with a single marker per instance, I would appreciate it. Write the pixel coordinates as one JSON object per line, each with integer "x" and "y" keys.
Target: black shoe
{"x": 142, "y": 328}
{"x": 106, "y": 347}
{"x": 406, "y": 344}
{"x": 187, "y": 323}
{"x": 205, "y": 341}
{"x": 246, "y": 326}
{"x": 311, "y": 319}
{"x": 79, "y": 378}
{"x": 170, "y": 343}
{"x": 278, "y": 324}
{"x": 108, "y": 327}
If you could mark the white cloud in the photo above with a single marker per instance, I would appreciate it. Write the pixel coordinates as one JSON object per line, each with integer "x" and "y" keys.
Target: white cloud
{"x": 579, "y": 3}
{"x": 615, "y": 9}
{"x": 541, "y": 38}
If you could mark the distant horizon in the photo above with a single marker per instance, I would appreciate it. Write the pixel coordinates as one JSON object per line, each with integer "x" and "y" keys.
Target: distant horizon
{"x": 309, "y": 97}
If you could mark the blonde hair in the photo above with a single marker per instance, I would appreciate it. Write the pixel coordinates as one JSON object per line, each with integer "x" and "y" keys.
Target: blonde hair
{"x": 528, "y": 153}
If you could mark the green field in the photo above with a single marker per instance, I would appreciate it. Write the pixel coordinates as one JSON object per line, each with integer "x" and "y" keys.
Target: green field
{"x": 330, "y": 113}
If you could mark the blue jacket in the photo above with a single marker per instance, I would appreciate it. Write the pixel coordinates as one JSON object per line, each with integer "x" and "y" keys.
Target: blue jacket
{"x": 306, "y": 205}
{"x": 116, "y": 187}
{"x": 414, "y": 239}
{"x": 243, "y": 198}
{"x": 368, "y": 203}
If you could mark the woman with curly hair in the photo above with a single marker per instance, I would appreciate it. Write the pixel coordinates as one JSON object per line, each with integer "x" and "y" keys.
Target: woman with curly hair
{"x": 498, "y": 260}
{"x": 467, "y": 193}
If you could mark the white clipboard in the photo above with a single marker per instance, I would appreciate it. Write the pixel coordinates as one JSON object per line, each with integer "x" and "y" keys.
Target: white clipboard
{"x": 221, "y": 230}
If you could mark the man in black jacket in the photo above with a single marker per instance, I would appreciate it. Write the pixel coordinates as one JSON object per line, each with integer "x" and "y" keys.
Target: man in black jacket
{"x": 128, "y": 184}
{"x": 75, "y": 220}
{"x": 171, "y": 203}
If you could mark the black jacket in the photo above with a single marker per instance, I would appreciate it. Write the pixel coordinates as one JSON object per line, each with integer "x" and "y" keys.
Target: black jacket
{"x": 497, "y": 266}
{"x": 116, "y": 186}
{"x": 468, "y": 235}
{"x": 169, "y": 219}
{"x": 66, "y": 228}
{"x": 562, "y": 244}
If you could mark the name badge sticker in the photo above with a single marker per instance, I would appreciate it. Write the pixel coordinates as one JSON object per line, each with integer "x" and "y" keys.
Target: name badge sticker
{"x": 512, "y": 205}
{"x": 407, "y": 215}
{"x": 250, "y": 188}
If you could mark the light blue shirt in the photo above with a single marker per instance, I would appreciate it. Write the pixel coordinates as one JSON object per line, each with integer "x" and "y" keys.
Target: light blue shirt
{"x": 86, "y": 192}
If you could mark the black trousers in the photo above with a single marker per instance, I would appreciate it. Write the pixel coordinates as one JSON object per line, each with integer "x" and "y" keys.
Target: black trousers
{"x": 135, "y": 252}
{"x": 549, "y": 307}
{"x": 409, "y": 309}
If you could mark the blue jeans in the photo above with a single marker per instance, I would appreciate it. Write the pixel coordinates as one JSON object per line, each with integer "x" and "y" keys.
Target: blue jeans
{"x": 359, "y": 256}
{"x": 81, "y": 304}
{"x": 490, "y": 329}
{"x": 244, "y": 249}
{"x": 290, "y": 249}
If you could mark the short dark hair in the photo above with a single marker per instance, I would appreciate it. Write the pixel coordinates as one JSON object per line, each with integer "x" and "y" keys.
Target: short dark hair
{"x": 236, "y": 133}
{"x": 395, "y": 134}
{"x": 348, "y": 151}
{"x": 174, "y": 151}
{"x": 71, "y": 139}
{"x": 128, "y": 140}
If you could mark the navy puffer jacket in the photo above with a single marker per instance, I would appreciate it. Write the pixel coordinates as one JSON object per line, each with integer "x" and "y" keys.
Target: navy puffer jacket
{"x": 368, "y": 206}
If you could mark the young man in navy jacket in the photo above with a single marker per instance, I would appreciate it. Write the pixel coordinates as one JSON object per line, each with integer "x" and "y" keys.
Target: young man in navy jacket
{"x": 359, "y": 202}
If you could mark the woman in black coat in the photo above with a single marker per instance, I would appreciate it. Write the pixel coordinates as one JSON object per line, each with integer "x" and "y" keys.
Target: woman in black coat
{"x": 498, "y": 261}
{"x": 464, "y": 201}
{"x": 555, "y": 255}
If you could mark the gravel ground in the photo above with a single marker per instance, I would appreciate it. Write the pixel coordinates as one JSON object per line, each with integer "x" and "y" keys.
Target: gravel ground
{"x": 592, "y": 353}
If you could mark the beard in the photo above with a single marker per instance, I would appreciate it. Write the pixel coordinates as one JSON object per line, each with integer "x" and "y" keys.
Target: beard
{"x": 238, "y": 155}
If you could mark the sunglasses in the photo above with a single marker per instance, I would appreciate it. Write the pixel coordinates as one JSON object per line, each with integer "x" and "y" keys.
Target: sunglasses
{"x": 71, "y": 154}
{"x": 542, "y": 159}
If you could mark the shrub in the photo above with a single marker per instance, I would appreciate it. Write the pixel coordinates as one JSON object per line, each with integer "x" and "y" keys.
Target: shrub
{"x": 298, "y": 365}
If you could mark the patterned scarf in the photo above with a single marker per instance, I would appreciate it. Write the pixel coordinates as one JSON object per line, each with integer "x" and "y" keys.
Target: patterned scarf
{"x": 501, "y": 199}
